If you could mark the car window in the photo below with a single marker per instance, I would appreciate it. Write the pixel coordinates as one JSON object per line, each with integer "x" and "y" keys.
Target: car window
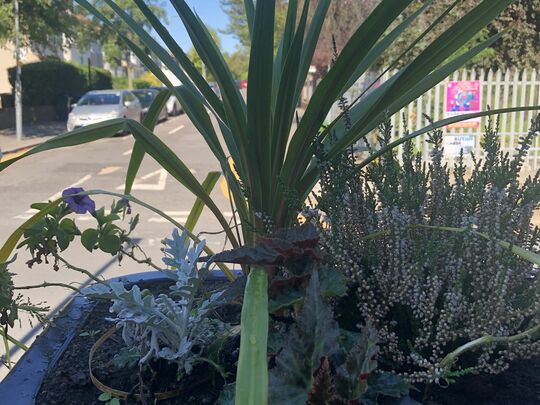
{"x": 145, "y": 97}
{"x": 100, "y": 99}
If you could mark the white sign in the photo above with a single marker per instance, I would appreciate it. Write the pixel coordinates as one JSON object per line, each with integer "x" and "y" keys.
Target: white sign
{"x": 453, "y": 144}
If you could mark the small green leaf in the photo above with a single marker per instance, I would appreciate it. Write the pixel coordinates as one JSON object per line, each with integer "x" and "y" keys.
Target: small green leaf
{"x": 62, "y": 238}
{"x": 112, "y": 217}
{"x": 38, "y": 206}
{"x": 114, "y": 401}
{"x": 89, "y": 239}
{"x": 105, "y": 396}
{"x": 100, "y": 215}
{"x": 109, "y": 243}
{"x": 133, "y": 223}
{"x": 68, "y": 225}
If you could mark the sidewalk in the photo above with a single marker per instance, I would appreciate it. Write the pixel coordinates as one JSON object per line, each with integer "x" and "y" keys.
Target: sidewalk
{"x": 34, "y": 134}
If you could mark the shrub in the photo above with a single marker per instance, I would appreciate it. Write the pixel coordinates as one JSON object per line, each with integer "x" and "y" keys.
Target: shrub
{"x": 146, "y": 80}
{"x": 426, "y": 289}
{"x": 120, "y": 82}
{"x": 141, "y": 84}
{"x": 100, "y": 78}
{"x": 50, "y": 82}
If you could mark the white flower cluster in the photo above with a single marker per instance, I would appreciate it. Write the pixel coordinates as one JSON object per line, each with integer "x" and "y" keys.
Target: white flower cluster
{"x": 429, "y": 290}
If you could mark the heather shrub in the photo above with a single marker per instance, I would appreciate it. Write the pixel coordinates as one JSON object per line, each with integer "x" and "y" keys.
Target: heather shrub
{"x": 421, "y": 244}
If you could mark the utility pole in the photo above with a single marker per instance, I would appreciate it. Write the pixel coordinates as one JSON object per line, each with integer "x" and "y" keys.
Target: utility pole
{"x": 18, "y": 84}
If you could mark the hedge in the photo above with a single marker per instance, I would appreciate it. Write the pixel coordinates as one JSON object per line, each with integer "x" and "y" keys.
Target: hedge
{"x": 51, "y": 82}
{"x": 141, "y": 84}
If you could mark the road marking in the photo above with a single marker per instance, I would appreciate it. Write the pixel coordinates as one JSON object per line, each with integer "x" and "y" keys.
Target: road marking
{"x": 176, "y": 129}
{"x": 108, "y": 170}
{"x": 224, "y": 188}
{"x": 127, "y": 152}
{"x": 161, "y": 220}
{"x": 29, "y": 213}
{"x": 77, "y": 183}
{"x": 161, "y": 174}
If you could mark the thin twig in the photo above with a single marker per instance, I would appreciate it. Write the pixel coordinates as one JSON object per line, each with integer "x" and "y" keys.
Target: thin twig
{"x": 79, "y": 269}
{"x": 46, "y": 284}
{"x": 146, "y": 260}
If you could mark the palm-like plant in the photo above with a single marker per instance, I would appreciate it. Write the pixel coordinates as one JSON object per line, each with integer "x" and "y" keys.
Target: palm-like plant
{"x": 271, "y": 161}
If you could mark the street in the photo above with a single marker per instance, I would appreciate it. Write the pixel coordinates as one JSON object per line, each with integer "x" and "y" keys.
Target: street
{"x": 103, "y": 165}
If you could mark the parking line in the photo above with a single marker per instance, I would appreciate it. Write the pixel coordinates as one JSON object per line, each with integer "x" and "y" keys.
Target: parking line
{"x": 108, "y": 170}
{"x": 161, "y": 220}
{"x": 77, "y": 183}
{"x": 28, "y": 213}
{"x": 176, "y": 129}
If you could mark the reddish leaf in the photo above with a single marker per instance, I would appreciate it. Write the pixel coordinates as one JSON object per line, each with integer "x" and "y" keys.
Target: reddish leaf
{"x": 283, "y": 247}
{"x": 323, "y": 391}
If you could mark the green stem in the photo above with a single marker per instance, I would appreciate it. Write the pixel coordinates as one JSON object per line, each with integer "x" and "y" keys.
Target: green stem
{"x": 13, "y": 340}
{"x": 252, "y": 374}
{"x": 487, "y": 340}
{"x": 6, "y": 348}
{"x": 517, "y": 250}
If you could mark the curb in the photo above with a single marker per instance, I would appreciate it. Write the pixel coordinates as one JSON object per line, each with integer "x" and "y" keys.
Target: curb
{"x": 20, "y": 148}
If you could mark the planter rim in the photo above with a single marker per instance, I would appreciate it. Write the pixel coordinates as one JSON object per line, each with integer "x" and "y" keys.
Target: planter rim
{"x": 23, "y": 382}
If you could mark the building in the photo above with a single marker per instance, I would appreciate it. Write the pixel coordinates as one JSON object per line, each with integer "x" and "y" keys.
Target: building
{"x": 69, "y": 53}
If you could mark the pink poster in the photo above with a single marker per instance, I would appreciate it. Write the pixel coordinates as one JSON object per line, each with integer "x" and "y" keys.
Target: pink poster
{"x": 463, "y": 97}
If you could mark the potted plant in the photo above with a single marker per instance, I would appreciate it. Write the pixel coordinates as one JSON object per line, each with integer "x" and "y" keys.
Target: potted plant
{"x": 269, "y": 167}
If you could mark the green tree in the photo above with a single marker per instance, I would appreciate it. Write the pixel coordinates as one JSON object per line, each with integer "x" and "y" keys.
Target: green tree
{"x": 520, "y": 24}
{"x": 238, "y": 22}
{"x": 115, "y": 50}
{"x": 41, "y": 22}
{"x": 238, "y": 62}
{"x": 196, "y": 59}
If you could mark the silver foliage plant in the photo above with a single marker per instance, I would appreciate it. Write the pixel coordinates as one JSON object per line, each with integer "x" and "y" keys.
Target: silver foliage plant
{"x": 426, "y": 289}
{"x": 172, "y": 326}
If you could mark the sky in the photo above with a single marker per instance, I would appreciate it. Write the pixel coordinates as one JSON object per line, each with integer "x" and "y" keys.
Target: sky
{"x": 213, "y": 16}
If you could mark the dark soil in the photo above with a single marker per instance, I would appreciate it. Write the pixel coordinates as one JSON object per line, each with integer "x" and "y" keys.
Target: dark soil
{"x": 69, "y": 381}
{"x": 519, "y": 385}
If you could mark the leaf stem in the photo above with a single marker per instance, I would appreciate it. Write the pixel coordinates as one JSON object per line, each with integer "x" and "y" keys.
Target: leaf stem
{"x": 450, "y": 358}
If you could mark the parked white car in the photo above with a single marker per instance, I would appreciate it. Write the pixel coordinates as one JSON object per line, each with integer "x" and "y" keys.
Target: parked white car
{"x": 101, "y": 105}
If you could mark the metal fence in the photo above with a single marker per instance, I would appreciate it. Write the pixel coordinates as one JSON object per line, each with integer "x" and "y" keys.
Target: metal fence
{"x": 499, "y": 89}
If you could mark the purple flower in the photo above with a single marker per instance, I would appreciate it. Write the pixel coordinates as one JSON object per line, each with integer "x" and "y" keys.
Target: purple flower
{"x": 124, "y": 202}
{"x": 79, "y": 204}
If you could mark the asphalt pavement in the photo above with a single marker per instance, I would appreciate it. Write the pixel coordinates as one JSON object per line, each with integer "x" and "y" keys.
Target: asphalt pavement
{"x": 103, "y": 165}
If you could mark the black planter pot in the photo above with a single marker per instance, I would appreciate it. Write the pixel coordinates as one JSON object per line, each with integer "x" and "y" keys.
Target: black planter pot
{"x": 23, "y": 382}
